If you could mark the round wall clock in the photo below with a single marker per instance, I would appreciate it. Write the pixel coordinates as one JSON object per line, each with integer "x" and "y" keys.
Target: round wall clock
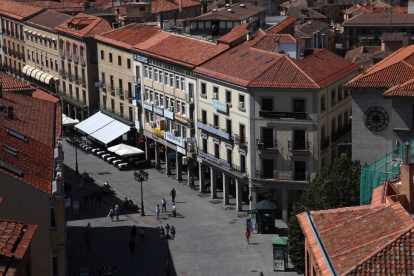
{"x": 376, "y": 119}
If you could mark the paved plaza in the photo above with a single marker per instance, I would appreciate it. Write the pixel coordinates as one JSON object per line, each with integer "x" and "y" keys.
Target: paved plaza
{"x": 209, "y": 240}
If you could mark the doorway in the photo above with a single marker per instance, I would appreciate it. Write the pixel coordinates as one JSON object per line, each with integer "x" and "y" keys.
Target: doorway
{"x": 300, "y": 170}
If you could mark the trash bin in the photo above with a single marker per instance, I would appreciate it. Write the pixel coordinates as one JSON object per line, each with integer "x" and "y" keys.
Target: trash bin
{"x": 280, "y": 256}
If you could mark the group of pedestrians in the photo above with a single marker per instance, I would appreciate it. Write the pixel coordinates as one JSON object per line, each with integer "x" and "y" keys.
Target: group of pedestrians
{"x": 132, "y": 240}
{"x": 173, "y": 194}
{"x": 114, "y": 212}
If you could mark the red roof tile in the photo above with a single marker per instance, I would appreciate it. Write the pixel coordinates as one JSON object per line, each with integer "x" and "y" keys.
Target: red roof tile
{"x": 377, "y": 195}
{"x": 65, "y": 5}
{"x": 235, "y": 34}
{"x": 237, "y": 13}
{"x": 402, "y": 90}
{"x": 270, "y": 41}
{"x": 279, "y": 28}
{"x": 396, "y": 69}
{"x": 353, "y": 236}
{"x": 10, "y": 83}
{"x": 128, "y": 36}
{"x": 379, "y": 20}
{"x": 17, "y": 10}
{"x": 87, "y": 26}
{"x": 179, "y": 49}
{"x": 170, "y": 5}
{"x": 42, "y": 95}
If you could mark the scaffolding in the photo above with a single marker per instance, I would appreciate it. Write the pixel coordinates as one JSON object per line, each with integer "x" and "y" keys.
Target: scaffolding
{"x": 385, "y": 168}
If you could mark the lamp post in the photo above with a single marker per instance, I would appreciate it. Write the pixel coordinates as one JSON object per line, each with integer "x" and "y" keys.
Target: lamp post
{"x": 167, "y": 238}
{"x": 141, "y": 176}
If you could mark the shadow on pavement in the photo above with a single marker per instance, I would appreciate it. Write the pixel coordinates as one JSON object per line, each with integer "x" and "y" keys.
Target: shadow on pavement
{"x": 110, "y": 246}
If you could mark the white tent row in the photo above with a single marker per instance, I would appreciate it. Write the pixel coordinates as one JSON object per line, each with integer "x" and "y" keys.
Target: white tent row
{"x": 67, "y": 121}
{"x": 125, "y": 150}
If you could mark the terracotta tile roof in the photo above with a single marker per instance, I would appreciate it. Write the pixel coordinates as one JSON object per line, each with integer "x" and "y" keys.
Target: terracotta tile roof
{"x": 42, "y": 95}
{"x": 402, "y": 90}
{"x": 235, "y": 34}
{"x": 171, "y": 5}
{"x": 65, "y": 5}
{"x": 353, "y": 236}
{"x": 15, "y": 239}
{"x": 246, "y": 65}
{"x": 279, "y": 28}
{"x": 18, "y": 10}
{"x": 325, "y": 67}
{"x": 297, "y": 12}
{"x": 10, "y": 83}
{"x": 307, "y": 29}
{"x": 379, "y": 20}
{"x": 128, "y": 36}
{"x": 393, "y": 9}
{"x": 238, "y": 13}
{"x": 352, "y": 55}
{"x": 394, "y": 70}
{"x": 270, "y": 41}
{"x": 49, "y": 19}
{"x": 87, "y": 26}
{"x": 179, "y": 49}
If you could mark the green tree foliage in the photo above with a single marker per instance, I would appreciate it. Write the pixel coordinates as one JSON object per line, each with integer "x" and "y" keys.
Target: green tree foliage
{"x": 333, "y": 187}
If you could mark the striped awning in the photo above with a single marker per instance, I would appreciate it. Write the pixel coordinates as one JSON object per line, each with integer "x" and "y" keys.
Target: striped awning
{"x": 25, "y": 68}
{"x": 38, "y": 75}
{"x": 34, "y": 72}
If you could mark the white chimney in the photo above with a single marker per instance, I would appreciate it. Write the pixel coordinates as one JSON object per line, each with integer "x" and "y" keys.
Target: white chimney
{"x": 249, "y": 35}
{"x": 411, "y": 7}
{"x": 181, "y": 5}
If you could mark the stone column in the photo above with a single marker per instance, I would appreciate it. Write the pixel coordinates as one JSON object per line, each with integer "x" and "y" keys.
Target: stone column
{"x": 226, "y": 186}
{"x": 253, "y": 196}
{"x": 239, "y": 189}
{"x": 179, "y": 166}
{"x": 167, "y": 162}
{"x": 157, "y": 156}
{"x": 202, "y": 177}
{"x": 285, "y": 201}
{"x": 213, "y": 188}
{"x": 190, "y": 169}
{"x": 148, "y": 149}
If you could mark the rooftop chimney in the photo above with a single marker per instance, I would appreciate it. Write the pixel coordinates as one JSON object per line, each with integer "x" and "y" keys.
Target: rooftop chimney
{"x": 10, "y": 112}
{"x": 1, "y": 115}
{"x": 249, "y": 35}
{"x": 323, "y": 41}
{"x": 314, "y": 40}
{"x": 181, "y": 5}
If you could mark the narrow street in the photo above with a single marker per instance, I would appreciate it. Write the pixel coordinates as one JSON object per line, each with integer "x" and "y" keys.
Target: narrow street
{"x": 209, "y": 236}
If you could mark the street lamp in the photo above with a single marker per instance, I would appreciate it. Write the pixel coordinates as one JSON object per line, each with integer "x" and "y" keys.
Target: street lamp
{"x": 167, "y": 238}
{"x": 141, "y": 176}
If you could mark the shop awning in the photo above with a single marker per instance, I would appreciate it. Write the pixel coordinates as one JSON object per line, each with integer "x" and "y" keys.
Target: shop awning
{"x": 39, "y": 74}
{"x": 48, "y": 79}
{"x": 43, "y": 77}
{"x": 66, "y": 121}
{"x": 110, "y": 132}
{"x": 34, "y": 72}
{"x": 25, "y": 68}
{"x": 129, "y": 151}
{"x": 93, "y": 123}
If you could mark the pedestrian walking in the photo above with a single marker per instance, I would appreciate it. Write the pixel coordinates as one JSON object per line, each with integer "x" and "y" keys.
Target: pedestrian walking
{"x": 163, "y": 205}
{"x": 133, "y": 233}
{"x": 141, "y": 235}
{"x": 111, "y": 214}
{"x": 174, "y": 210}
{"x": 192, "y": 186}
{"x": 157, "y": 209}
{"x": 247, "y": 235}
{"x": 88, "y": 229}
{"x": 173, "y": 193}
{"x": 117, "y": 211}
{"x": 132, "y": 246}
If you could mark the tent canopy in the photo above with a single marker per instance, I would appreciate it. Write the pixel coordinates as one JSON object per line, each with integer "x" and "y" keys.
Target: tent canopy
{"x": 129, "y": 151}
{"x": 118, "y": 147}
{"x": 94, "y": 123}
{"x": 265, "y": 205}
{"x": 67, "y": 121}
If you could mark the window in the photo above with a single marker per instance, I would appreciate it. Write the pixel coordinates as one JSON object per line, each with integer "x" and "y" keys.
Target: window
{"x": 167, "y": 102}
{"x": 333, "y": 125}
{"x": 56, "y": 65}
{"x": 166, "y": 78}
{"x": 161, "y": 76}
{"x": 28, "y": 54}
{"x": 340, "y": 93}
{"x": 228, "y": 96}
{"x": 171, "y": 80}
{"x": 215, "y": 92}
{"x": 339, "y": 121}
{"x": 333, "y": 96}
{"x": 267, "y": 104}
{"x": 204, "y": 116}
{"x": 323, "y": 103}
{"x": 52, "y": 215}
{"x": 131, "y": 116}
{"x": 146, "y": 71}
{"x": 229, "y": 159}
{"x": 113, "y": 104}
{"x": 156, "y": 74}
{"x": 183, "y": 108}
{"x": 216, "y": 121}
{"x": 191, "y": 90}
{"x": 216, "y": 150}
{"x": 241, "y": 102}
{"x": 161, "y": 100}
{"x": 54, "y": 262}
{"x": 129, "y": 90}
{"x": 128, "y": 63}
{"x": 51, "y": 64}
{"x": 346, "y": 94}
{"x": 183, "y": 84}
{"x": 203, "y": 89}
{"x": 150, "y": 73}
{"x": 119, "y": 61}
{"x": 178, "y": 107}
{"x": 177, "y": 82}
{"x": 204, "y": 144}
{"x": 121, "y": 109}
{"x": 298, "y": 105}
{"x": 47, "y": 63}
{"x": 110, "y": 57}
{"x": 228, "y": 126}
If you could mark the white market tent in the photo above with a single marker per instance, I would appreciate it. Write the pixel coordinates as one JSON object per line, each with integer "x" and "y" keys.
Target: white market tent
{"x": 129, "y": 151}
{"x": 118, "y": 147}
{"x": 66, "y": 121}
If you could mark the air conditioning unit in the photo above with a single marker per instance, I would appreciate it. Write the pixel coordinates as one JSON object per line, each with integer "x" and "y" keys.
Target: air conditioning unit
{"x": 261, "y": 146}
{"x": 241, "y": 105}
{"x": 157, "y": 102}
{"x": 215, "y": 96}
{"x": 171, "y": 108}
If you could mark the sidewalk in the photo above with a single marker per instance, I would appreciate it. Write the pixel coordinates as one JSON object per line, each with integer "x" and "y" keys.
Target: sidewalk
{"x": 209, "y": 240}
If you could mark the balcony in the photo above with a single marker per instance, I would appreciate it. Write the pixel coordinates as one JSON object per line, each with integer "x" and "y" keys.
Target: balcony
{"x": 62, "y": 73}
{"x": 341, "y": 132}
{"x": 69, "y": 76}
{"x": 75, "y": 58}
{"x": 325, "y": 143}
{"x": 75, "y": 78}
{"x": 110, "y": 87}
{"x": 223, "y": 164}
{"x": 82, "y": 81}
{"x": 283, "y": 176}
{"x": 72, "y": 99}
{"x": 266, "y": 144}
{"x": 119, "y": 91}
{"x": 82, "y": 60}
{"x": 240, "y": 140}
{"x": 299, "y": 147}
{"x": 68, "y": 55}
{"x": 61, "y": 53}
{"x": 115, "y": 114}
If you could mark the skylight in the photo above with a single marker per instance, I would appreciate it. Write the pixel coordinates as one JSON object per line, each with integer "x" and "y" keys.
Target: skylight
{"x": 16, "y": 135}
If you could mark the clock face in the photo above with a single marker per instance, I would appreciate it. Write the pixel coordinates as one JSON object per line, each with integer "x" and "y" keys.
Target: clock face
{"x": 376, "y": 119}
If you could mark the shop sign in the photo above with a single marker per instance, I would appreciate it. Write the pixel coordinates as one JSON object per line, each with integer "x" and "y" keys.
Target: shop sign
{"x": 147, "y": 105}
{"x": 158, "y": 110}
{"x": 213, "y": 130}
{"x": 181, "y": 150}
{"x": 180, "y": 118}
{"x": 208, "y": 157}
{"x": 274, "y": 114}
{"x": 175, "y": 140}
{"x": 142, "y": 139}
{"x": 225, "y": 165}
{"x": 168, "y": 114}
{"x": 137, "y": 126}
{"x": 220, "y": 106}
{"x": 159, "y": 132}
{"x": 140, "y": 58}
{"x": 161, "y": 149}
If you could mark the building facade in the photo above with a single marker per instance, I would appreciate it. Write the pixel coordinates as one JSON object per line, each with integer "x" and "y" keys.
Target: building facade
{"x": 78, "y": 68}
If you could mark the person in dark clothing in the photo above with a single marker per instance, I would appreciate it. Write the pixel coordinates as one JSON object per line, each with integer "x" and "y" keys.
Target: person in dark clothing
{"x": 173, "y": 193}
{"x": 133, "y": 233}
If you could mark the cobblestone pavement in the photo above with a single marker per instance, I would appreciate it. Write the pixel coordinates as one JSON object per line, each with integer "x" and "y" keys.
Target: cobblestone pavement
{"x": 209, "y": 240}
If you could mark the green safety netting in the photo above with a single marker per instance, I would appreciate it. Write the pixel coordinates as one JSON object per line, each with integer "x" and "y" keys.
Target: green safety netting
{"x": 385, "y": 168}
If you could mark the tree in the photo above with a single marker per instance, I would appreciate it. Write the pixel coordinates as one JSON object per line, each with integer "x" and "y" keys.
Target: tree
{"x": 333, "y": 187}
